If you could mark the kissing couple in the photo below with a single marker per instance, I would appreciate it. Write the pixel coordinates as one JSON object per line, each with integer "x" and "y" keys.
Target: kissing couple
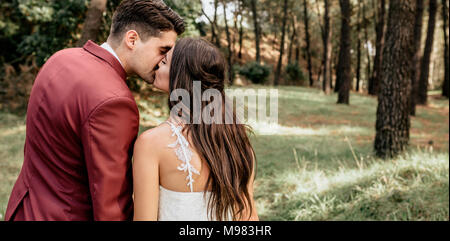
{"x": 83, "y": 159}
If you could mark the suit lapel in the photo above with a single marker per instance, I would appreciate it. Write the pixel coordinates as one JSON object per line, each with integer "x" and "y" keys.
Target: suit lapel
{"x": 103, "y": 54}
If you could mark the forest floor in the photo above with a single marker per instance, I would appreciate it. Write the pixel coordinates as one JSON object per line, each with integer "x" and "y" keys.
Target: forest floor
{"x": 317, "y": 163}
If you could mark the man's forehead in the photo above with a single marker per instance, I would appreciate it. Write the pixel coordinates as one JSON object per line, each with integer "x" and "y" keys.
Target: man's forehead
{"x": 168, "y": 36}
{"x": 165, "y": 41}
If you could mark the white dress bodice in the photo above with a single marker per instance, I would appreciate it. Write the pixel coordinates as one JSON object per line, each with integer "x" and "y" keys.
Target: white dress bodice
{"x": 183, "y": 206}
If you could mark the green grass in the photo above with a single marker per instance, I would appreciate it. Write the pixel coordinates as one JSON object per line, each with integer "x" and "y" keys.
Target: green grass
{"x": 12, "y": 138}
{"x": 317, "y": 163}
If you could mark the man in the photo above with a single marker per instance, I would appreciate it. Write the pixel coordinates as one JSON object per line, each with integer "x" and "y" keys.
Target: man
{"x": 82, "y": 120}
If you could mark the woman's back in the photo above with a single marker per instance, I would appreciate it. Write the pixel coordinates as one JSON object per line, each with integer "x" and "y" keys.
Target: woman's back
{"x": 182, "y": 175}
{"x": 170, "y": 176}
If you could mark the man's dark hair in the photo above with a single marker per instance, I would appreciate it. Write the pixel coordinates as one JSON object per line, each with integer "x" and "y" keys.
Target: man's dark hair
{"x": 147, "y": 17}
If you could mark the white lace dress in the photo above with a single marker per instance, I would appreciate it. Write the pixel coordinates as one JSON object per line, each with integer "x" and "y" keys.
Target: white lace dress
{"x": 183, "y": 206}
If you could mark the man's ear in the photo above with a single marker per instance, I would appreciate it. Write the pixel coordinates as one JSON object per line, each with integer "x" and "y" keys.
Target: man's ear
{"x": 131, "y": 37}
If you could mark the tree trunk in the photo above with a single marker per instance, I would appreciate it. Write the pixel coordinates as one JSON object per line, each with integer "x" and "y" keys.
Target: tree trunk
{"x": 327, "y": 48}
{"x": 241, "y": 31}
{"x": 416, "y": 60}
{"x": 446, "y": 84}
{"x": 308, "y": 42}
{"x": 345, "y": 60}
{"x": 297, "y": 40}
{"x": 393, "y": 119}
{"x": 241, "y": 37}
{"x": 425, "y": 65}
{"x": 293, "y": 40}
{"x": 377, "y": 65}
{"x": 297, "y": 53}
{"x": 274, "y": 41}
{"x": 358, "y": 48}
{"x": 217, "y": 34}
{"x": 212, "y": 23}
{"x": 237, "y": 13}
{"x": 366, "y": 36}
{"x": 335, "y": 59}
{"x": 93, "y": 21}
{"x": 256, "y": 29}
{"x": 230, "y": 52}
{"x": 280, "y": 59}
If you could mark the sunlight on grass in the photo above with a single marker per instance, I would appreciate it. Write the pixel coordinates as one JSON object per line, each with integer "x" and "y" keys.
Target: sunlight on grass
{"x": 314, "y": 194}
{"x": 264, "y": 128}
{"x": 12, "y": 131}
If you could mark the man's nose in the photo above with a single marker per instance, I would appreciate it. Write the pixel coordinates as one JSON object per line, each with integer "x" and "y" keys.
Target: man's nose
{"x": 156, "y": 67}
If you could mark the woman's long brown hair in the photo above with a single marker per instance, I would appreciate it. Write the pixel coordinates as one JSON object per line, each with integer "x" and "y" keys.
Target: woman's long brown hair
{"x": 225, "y": 148}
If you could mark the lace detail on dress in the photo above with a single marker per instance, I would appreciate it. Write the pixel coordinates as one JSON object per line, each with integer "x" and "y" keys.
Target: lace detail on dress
{"x": 184, "y": 154}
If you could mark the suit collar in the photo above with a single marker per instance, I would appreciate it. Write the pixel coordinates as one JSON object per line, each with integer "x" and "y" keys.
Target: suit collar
{"x": 103, "y": 54}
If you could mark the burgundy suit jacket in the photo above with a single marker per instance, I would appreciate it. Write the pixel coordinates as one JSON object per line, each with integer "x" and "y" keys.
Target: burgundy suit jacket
{"x": 82, "y": 121}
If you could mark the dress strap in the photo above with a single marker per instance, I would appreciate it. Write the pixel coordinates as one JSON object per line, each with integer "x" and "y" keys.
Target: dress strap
{"x": 183, "y": 153}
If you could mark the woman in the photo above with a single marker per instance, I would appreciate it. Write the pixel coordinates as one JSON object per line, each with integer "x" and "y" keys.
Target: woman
{"x": 186, "y": 171}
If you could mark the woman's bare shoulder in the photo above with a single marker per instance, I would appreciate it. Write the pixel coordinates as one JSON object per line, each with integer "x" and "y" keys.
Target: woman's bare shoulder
{"x": 154, "y": 139}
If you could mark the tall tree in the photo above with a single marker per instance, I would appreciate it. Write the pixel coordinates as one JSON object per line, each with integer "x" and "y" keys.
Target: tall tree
{"x": 217, "y": 35}
{"x": 212, "y": 23}
{"x": 241, "y": 36}
{"x": 308, "y": 42}
{"x": 446, "y": 84}
{"x": 327, "y": 48}
{"x": 422, "y": 93}
{"x": 393, "y": 119}
{"x": 366, "y": 36}
{"x": 380, "y": 35}
{"x": 358, "y": 46}
{"x": 236, "y": 13}
{"x": 92, "y": 22}
{"x": 345, "y": 60}
{"x": 297, "y": 44}
{"x": 416, "y": 60}
{"x": 241, "y": 27}
{"x": 256, "y": 29}
{"x": 229, "y": 50}
{"x": 293, "y": 38}
{"x": 283, "y": 34}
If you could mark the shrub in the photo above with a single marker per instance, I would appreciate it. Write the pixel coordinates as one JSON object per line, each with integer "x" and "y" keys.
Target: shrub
{"x": 16, "y": 84}
{"x": 295, "y": 73}
{"x": 255, "y": 72}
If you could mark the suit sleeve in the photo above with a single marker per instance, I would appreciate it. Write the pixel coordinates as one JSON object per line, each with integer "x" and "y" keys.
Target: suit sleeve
{"x": 108, "y": 137}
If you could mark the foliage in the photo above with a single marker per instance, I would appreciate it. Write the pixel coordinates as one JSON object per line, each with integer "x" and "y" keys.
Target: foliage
{"x": 255, "y": 72}
{"x": 295, "y": 73}
{"x": 42, "y": 27}
{"x": 39, "y": 27}
{"x": 235, "y": 70}
{"x": 16, "y": 86}
{"x": 105, "y": 27}
{"x": 190, "y": 13}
